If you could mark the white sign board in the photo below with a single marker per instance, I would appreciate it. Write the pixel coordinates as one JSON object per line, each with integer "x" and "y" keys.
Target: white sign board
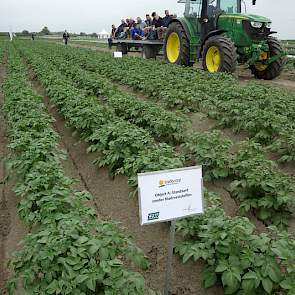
{"x": 118, "y": 54}
{"x": 169, "y": 195}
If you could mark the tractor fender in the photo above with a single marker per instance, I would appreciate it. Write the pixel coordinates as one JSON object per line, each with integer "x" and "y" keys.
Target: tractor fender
{"x": 211, "y": 34}
{"x": 191, "y": 35}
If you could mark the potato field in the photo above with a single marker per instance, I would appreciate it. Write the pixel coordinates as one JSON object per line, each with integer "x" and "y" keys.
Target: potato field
{"x": 77, "y": 126}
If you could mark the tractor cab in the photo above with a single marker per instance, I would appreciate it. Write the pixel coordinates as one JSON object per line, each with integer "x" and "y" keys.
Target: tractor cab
{"x": 205, "y": 13}
{"x": 194, "y": 8}
{"x": 217, "y": 32}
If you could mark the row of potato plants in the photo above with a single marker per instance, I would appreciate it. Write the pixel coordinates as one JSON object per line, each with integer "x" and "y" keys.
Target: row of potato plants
{"x": 70, "y": 250}
{"x": 257, "y": 184}
{"x": 162, "y": 124}
{"x": 264, "y": 112}
{"x": 267, "y": 281}
{"x": 290, "y": 64}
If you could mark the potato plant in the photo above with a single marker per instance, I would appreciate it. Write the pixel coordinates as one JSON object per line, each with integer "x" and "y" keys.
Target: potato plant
{"x": 243, "y": 261}
{"x": 212, "y": 151}
{"x": 259, "y": 186}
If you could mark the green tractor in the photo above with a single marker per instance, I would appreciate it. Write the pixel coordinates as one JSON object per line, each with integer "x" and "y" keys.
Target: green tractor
{"x": 217, "y": 32}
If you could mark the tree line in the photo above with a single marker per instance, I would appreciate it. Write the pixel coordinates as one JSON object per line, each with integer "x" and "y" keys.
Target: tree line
{"x": 45, "y": 31}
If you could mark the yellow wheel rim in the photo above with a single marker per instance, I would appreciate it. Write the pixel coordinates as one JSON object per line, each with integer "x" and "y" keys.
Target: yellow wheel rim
{"x": 262, "y": 57}
{"x": 213, "y": 59}
{"x": 173, "y": 47}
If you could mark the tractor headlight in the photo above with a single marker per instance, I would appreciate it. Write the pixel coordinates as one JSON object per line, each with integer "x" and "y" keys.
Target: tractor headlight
{"x": 268, "y": 25}
{"x": 256, "y": 25}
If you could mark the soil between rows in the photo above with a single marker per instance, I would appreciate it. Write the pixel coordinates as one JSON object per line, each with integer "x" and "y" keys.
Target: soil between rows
{"x": 112, "y": 201}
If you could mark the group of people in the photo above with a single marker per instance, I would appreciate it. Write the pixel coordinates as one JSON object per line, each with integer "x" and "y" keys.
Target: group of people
{"x": 152, "y": 28}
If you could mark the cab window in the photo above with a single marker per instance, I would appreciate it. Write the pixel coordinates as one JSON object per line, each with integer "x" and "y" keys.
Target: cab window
{"x": 229, "y": 6}
{"x": 193, "y": 8}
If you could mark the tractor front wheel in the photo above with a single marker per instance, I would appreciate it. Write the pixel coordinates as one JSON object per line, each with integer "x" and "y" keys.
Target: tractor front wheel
{"x": 219, "y": 55}
{"x": 274, "y": 69}
{"x": 177, "y": 45}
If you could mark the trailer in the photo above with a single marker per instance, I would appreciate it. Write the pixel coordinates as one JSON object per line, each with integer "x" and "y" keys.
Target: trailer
{"x": 149, "y": 48}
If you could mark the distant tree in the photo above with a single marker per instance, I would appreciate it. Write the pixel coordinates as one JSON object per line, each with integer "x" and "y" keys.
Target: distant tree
{"x": 25, "y": 33}
{"x": 83, "y": 34}
{"x": 45, "y": 31}
{"x": 94, "y": 35}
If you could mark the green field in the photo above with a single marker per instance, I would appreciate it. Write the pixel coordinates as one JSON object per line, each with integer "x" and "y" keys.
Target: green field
{"x": 134, "y": 116}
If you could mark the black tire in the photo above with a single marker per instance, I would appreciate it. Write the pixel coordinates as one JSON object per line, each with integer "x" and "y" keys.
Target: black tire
{"x": 149, "y": 51}
{"x": 227, "y": 50}
{"x": 184, "y": 54}
{"x": 122, "y": 47}
{"x": 275, "y": 68}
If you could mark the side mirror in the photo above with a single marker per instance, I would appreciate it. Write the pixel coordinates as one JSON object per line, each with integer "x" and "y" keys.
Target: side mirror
{"x": 253, "y": 2}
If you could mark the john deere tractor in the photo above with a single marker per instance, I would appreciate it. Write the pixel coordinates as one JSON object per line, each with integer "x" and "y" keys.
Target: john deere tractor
{"x": 217, "y": 32}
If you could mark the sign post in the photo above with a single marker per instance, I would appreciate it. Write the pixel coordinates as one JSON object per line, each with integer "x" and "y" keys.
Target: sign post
{"x": 169, "y": 259}
{"x": 167, "y": 196}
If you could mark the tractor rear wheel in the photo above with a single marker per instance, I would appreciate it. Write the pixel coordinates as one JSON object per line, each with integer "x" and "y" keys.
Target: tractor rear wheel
{"x": 273, "y": 70}
{"x": 177, "y": 45}
{"x": 219, "y": 55}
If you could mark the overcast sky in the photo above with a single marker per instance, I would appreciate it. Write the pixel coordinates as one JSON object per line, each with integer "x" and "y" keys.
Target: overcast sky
{"x": 94, "y": 15}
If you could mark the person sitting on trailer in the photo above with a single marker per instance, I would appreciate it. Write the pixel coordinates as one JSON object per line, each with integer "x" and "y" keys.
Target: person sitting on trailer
{"x": 120, "y": 30}
{"x": 130, "y": 25}
{"x": 157, "y": 20}
{"x": 159, "y": 26}
{"x": 140, "y": 24}
{"x": 167, "y": 19}
{"x": 137, "y": 32}
{"x": 149, "y": 24}
{"x": 148, "y": 20}
{"x": 156, "y": 23}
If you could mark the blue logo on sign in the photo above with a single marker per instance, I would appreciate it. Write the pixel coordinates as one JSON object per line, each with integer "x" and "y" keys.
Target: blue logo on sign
{"x": 153, "y": 216}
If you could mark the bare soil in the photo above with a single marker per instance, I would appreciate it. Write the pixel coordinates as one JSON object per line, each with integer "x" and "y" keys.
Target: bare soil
{"x": 286, "y": 80}
{"x": 112, "y": 201}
